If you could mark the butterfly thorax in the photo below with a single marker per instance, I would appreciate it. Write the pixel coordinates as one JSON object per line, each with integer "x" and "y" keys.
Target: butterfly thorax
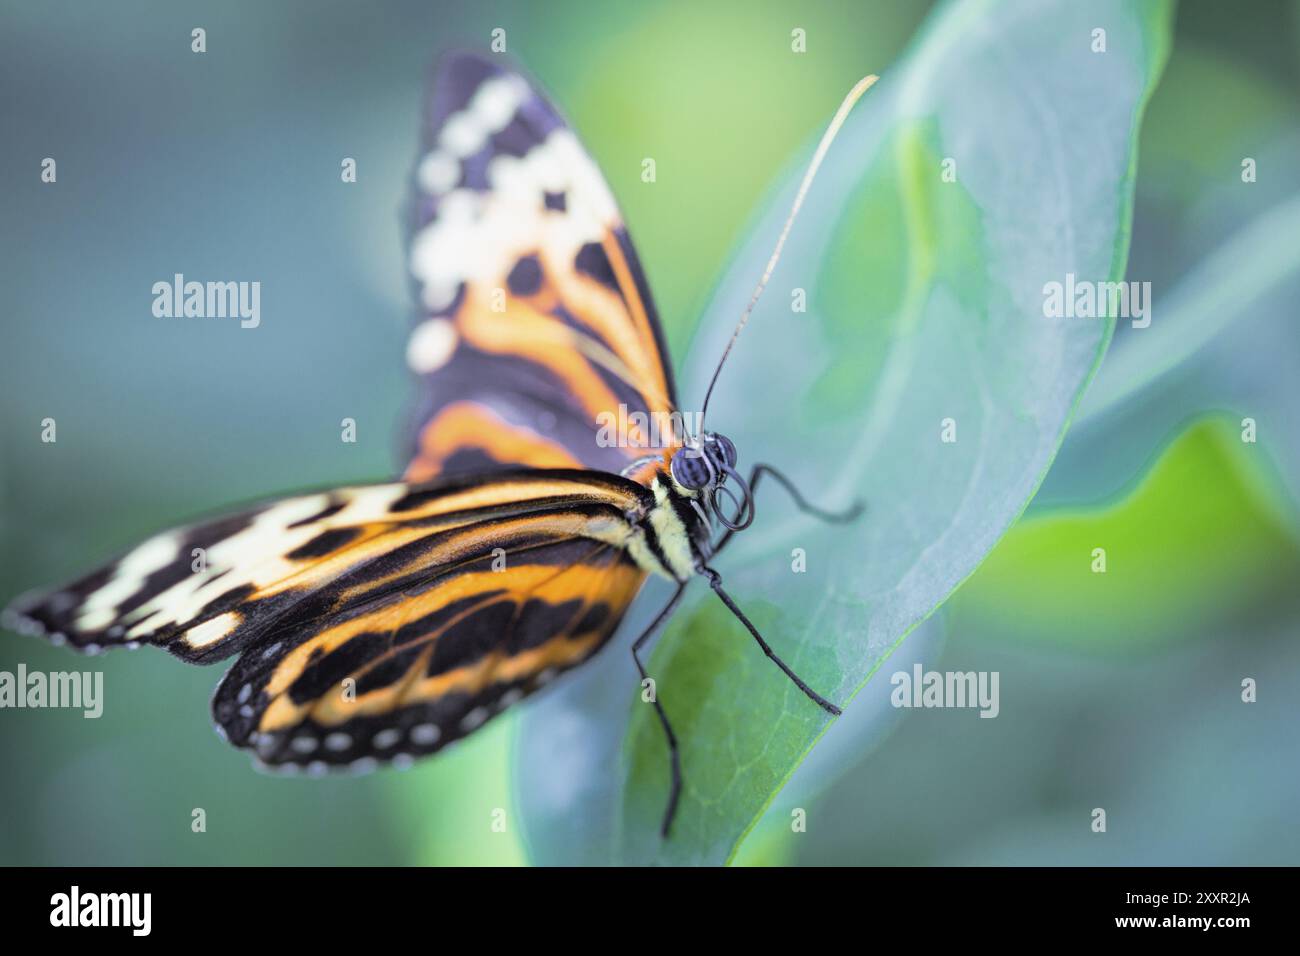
{"x": 671, "y": 533}
{"x": 677, "y": 531}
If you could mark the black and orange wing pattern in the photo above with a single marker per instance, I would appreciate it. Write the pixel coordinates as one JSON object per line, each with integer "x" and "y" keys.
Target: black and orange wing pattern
{"x": 380, "y": 622}
{"x": 372, "y": 621}
{"x": 535, "y": 317}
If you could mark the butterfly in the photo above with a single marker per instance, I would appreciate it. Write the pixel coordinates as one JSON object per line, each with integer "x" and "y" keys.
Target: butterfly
{"x": 379, "y": 623}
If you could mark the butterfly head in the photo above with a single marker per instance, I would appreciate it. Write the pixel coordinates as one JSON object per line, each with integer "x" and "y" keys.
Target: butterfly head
{"x": 700, "y": 470}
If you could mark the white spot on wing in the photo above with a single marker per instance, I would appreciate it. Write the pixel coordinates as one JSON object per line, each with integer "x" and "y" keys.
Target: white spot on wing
{"x": 211, "y": 631}
{"x": 510, "y": 697}
{"x": 432, "y": 344}
{"x": 438, "y": 173}
{"x": 497, "y": 101}
{"x": 100, "y": 608}
{"x": 461, "y": 135}
{"x": 425, "y": 734}
{"x": 490, "y": 111}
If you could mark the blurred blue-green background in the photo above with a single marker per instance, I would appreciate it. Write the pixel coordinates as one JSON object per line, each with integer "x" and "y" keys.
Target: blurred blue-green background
{"x": 226, "y": 165}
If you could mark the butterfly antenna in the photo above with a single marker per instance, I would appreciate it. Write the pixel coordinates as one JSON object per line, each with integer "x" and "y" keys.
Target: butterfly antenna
{"x": 828, "y": 137}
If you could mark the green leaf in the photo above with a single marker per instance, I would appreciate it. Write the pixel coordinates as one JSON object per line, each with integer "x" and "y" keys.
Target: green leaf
{"x": 925, "y": 303}
{"x": 1202, "y": 540}
{"x": 1223, "y": 290}
{"x": 1222, "y": 341}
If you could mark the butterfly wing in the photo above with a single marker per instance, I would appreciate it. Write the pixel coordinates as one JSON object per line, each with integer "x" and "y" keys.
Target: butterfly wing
{"x": 209, "y": 590}
{"x": 536, "y": 319}
{"x": 405, "y": 675}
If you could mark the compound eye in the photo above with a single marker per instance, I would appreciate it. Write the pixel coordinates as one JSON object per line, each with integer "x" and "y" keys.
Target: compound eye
{"x": 690, "y": 469}
{"x": 721, "y": 451}
{"x": 728, "y": 449}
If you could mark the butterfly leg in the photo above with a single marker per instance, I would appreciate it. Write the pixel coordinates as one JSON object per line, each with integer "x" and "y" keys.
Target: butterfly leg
{"x": 715, "y": 582}
{"x": 830, "y": 517}
{"x": 673, "y": 755}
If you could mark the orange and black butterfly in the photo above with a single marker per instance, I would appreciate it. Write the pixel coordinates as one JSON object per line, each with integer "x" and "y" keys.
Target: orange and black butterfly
{"x": 379, "y": 623}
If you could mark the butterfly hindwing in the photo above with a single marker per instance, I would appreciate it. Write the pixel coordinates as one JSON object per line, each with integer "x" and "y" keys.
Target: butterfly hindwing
{"x": 405, "y": 676}
{"x": 535, "y": 317}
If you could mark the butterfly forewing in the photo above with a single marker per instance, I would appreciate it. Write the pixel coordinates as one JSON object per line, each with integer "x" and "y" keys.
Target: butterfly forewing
{"x": 535, "y": 318}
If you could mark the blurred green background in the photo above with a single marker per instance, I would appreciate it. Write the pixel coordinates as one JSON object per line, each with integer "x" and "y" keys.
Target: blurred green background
{"x": 227, "y": 165}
